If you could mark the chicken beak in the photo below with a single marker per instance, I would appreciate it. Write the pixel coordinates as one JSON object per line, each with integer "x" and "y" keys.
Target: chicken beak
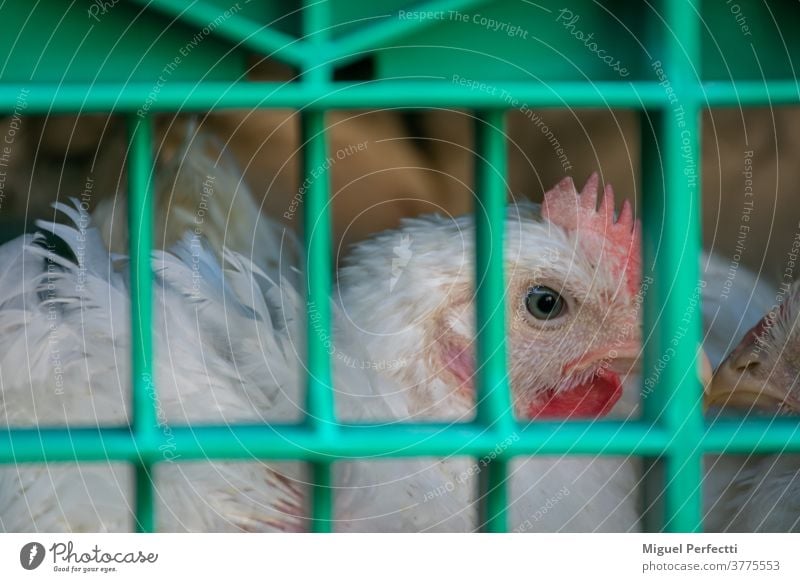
{"x": 628, "y": 358}
{"x": 735, "y": 385}
{"x": 625, "y": 359}
{"x": 706, "y": 372}
{"x": 732, "y": 387}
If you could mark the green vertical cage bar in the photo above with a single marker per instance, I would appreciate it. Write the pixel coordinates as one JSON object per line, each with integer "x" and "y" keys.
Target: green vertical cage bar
{"x": 317, "y": 232}
{"x": 677, "y": 270}
{"x": 493, "y": 391}
{"x": 652, "y": 167}
{"x": 140, "y": 228}
{"x": 316, "y": 21}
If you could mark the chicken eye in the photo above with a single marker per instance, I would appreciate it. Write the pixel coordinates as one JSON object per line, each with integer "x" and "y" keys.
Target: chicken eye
{"x": 544, "y": 303}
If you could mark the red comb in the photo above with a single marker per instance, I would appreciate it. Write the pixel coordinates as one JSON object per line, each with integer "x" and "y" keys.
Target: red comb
{"x": 616, "y": 243}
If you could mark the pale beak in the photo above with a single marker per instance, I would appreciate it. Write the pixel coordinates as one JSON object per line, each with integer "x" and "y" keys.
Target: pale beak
{"x": 706, "y": 372}
{"x": 627, "y": 358}
{"x": 623, "y": 359}
{"x": 736, "y": 385}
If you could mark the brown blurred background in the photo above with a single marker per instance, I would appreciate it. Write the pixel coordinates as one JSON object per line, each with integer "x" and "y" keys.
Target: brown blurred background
{"x": 389, "y": 164}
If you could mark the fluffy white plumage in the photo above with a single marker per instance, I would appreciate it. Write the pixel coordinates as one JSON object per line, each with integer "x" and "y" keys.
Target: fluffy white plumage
{"x": 206, "y": 372}
{"x": 563, "y": 493}
{"x": 763, "y": 496}
{"x": 65, "y": 360}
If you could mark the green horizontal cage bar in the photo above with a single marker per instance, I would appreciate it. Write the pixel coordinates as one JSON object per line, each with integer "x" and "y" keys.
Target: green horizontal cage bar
{"x": 186, "y": 97}
{"x": 672, "y": 431}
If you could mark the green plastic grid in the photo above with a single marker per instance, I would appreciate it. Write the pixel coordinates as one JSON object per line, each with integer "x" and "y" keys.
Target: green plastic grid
{"x": 673, "y": 429}
{"x": 673, "y": 204}
{"x": 140, "y": 217}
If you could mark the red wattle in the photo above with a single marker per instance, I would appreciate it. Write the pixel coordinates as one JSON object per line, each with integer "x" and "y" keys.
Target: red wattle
{"x": 590, "y": 400}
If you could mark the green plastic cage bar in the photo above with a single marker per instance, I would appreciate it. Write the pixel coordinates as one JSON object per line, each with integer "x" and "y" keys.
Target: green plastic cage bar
{"x": 67, "y": 63}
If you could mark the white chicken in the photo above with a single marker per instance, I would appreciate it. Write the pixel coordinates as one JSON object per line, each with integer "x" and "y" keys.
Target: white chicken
{"x": 761, "y": 376}
{"x": 573, "y": 333}
{"x": 573, "y": 336}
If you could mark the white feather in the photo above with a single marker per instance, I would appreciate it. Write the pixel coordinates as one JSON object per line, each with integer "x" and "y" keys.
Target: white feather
{"x": 743, "y": 493}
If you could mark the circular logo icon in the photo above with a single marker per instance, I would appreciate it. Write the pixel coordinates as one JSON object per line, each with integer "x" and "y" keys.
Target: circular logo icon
{"x": 31, "y": 555}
